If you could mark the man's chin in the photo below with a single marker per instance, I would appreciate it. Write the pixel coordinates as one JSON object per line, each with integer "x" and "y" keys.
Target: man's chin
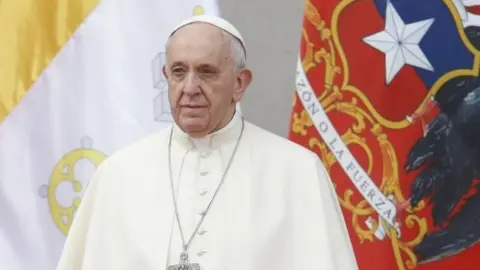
{"x": 194, "y": 127}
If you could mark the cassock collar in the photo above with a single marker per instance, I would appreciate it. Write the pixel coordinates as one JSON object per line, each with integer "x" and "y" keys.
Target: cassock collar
{"x": 215, "y": 140}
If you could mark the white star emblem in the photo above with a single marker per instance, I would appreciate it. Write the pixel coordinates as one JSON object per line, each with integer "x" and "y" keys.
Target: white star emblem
{"x": 400, "y": 43}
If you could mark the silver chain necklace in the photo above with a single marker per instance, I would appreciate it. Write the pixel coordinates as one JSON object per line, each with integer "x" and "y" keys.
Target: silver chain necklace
{"x": 184, "y": 263}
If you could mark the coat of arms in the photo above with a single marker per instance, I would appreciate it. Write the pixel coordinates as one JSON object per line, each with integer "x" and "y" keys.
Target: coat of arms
{"x": 388, "y": 95}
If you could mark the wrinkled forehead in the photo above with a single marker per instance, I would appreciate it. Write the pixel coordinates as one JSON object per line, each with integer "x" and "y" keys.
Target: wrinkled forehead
{"x": 199, "y": 42}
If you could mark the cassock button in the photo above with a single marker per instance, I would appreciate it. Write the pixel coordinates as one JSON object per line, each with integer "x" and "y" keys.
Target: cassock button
{"x": 201, "y": 253}
{"x": 201, "y": 231}
{"x": 203, "y": 173}
{"x": 203, "y": 193}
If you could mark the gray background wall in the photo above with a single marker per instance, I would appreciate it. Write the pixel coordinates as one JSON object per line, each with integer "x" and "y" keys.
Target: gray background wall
{"x": 272, "y": 32}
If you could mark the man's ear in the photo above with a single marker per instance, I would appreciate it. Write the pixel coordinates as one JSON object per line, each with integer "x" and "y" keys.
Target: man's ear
{"x": 164, "y": 71}
{"x": 243, "y": 81}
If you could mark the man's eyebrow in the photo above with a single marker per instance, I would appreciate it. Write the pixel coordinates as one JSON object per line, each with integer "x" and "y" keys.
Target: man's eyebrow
{"x": 177, "y": 63}
{"x": 209, "y": 66}
{"x": 204, "y": 67}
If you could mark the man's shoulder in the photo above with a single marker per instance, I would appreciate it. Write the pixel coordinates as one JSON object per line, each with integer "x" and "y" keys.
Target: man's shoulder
{"x": 272, "y": 144}
{"x": 140, "y": 149}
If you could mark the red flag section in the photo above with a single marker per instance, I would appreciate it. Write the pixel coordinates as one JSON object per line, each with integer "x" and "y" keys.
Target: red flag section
{"x": 371, "y": 113}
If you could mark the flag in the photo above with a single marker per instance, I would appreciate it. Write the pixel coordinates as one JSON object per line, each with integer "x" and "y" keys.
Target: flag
{"x": 79, "y": 80}
{"x": 388, "y": 96}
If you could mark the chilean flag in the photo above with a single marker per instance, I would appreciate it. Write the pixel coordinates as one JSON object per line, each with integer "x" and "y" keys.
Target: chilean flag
{"x": 373, "y": 64}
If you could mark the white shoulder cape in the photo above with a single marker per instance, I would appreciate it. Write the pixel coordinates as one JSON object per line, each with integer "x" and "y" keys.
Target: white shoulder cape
{"x": 283, "y": 211}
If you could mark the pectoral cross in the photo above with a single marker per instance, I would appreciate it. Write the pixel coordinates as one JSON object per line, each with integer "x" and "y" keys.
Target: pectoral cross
{"x": 184, "y": 264}
{"x": 188, "y": 266}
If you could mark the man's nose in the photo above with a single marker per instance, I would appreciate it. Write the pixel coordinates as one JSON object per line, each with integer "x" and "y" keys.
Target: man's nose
{"x": 192, "y": 84}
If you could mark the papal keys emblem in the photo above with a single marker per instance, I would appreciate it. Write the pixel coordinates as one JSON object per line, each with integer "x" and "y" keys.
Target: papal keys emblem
{"x": 388, "y": 95}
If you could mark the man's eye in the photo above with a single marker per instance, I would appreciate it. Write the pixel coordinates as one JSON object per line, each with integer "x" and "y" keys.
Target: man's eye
{"x": 178, "y": 72}
{"x": 208, "y": 73}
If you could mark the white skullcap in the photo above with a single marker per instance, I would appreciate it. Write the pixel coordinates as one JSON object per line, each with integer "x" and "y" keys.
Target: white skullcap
{"x": 216, "y": 21}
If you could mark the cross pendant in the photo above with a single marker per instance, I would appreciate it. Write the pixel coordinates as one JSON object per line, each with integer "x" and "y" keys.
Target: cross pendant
{"x": 184, "y": 264}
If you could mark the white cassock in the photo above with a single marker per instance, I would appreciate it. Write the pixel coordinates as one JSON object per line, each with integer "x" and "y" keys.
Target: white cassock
{"x": 276, "y": 209}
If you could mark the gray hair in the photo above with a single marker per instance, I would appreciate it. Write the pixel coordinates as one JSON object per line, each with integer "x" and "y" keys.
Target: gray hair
{"x": 237, "y": 52}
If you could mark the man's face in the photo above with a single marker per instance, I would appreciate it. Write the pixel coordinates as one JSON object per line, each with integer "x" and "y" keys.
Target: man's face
{"x": 204, "y": 85}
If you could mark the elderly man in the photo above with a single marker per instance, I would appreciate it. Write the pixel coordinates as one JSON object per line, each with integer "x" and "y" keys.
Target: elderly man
{"x": 213, "y": 191}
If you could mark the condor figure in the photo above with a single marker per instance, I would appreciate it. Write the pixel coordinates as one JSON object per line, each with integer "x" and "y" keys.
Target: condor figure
{"x": 448, "y": 160}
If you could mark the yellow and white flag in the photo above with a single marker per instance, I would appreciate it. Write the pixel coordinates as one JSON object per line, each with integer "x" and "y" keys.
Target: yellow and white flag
{"x": 78, "y": 80}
